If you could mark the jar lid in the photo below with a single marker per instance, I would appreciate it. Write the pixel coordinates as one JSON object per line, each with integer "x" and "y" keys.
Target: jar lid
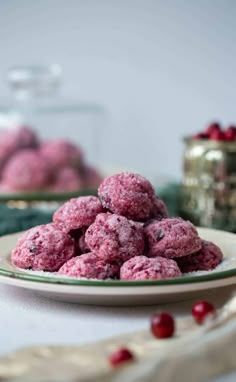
{"x": 34, "y": 81}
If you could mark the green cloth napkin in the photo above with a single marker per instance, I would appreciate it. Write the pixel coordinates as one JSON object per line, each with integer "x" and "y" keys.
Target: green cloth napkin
{"x": 171, "y": 196}
{"x": 14, "y": 219}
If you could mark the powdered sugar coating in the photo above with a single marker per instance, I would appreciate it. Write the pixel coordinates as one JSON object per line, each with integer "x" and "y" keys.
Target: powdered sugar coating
{"x": 66, "y": 179}
{"x": 44, "y": 247}
{"x": 145, "y": 268}
{"x": 129, "y": 195}
{"x": 60, "y": 153}
{"x": 172, "y": 237}
{"x": 207, "y": 258}
{"x": 26, "y": 171}
{"x": 115, "y": 238}
{"x": 89, "y": 266}
{"x": 77, "y": 213}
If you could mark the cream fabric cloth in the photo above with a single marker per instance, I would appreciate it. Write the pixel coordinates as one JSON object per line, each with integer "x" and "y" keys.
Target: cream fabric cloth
{"x": 195, "y": 354}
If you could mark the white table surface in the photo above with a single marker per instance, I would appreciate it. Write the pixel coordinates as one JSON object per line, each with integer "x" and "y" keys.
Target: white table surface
{"x": 29, "y": 319}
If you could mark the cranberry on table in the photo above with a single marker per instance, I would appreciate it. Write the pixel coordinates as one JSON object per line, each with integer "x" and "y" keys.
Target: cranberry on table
{"x": 203, "y": 311}
{"x": 230, "y": 133}
{"x": 162, "y": 325}
{"x": 120, "y": 356}
{"x": 213, "y": 127}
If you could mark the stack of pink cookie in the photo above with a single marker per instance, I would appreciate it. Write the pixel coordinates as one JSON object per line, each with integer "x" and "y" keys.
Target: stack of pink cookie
{"x": 28, "y": 164}
{"x": 124, "y": 233}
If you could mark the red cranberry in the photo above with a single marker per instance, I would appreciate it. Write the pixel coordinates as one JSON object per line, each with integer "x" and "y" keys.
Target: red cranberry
{"x": 230, "y": 133}
{"x": 202, "y": 311}
{"x": 120, "y": 356}
{"x": 162, "y": 325}
{"x": 212, "y": 128}
{"x": 217, "y": 135}
{"x": 201, "y": 136}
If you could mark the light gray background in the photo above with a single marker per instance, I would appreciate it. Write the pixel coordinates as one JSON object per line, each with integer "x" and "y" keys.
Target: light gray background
{"x": 161, "y": 68}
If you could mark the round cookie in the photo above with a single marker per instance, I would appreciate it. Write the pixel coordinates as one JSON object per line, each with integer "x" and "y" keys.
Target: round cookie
{"x": 11, "y": 140}
{"x": 207, "y": 258}
{"x": 61, "y": 153}
{"x": 26, "y": 171}
{"x": 172, "y": 237}
{"x": 145, "y": 268}
{"x": 77, "y": 213}
{"x": 67, "y": 179}
{"x": 43, "y": 248}
{"x": 26, "y": 137}
{"x": 89, "y": 266}
{"x": 115, "y": 238}
{"x": 129, "y": 195}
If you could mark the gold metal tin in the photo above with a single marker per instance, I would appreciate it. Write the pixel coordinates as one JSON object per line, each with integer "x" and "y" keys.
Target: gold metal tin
{"x": 209, "y": 183}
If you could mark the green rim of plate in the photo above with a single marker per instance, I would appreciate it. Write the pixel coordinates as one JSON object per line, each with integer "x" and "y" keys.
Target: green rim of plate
{"x": 44, "y": 196}
{"x": 117, "y": 283}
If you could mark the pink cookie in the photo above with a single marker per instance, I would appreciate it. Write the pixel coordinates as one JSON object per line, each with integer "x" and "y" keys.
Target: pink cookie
{"x": 89, "y": 266}
{"x": 145, "y": 268}
{"x": 26, "y": 137}
{"x": 61, "y": 153}
{"x": 172, "y": 237}
{"x": 77, "y": 213}
{"x": 43, "y": 248}
{"x": 115, "y": 238}
{"x": 26, "y": 171}
{"x": 11, "y": 140}
{"x": 4, "y": 188}
{"x": 129, "y": 195}
{"x": 207, "y": 258}
{"x": 67, "y": 179}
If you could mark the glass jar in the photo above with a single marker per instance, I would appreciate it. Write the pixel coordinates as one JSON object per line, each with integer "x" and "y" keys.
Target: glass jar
{"x": 38, "y": 103}
{"x": 209, "y": 183}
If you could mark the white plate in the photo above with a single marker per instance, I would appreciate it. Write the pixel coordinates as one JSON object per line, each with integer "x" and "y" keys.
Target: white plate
{"x": 123, "y": 292}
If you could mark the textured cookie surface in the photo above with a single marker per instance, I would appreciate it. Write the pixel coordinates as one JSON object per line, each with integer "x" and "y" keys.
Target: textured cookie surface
{"x": 145, "y": 268}
{"x": 129, "y": 195}
{"x": 115, "y": 238}
{"x": 77, "y": 213}
{"x": 207, "y": 258}
{"x": 44, "y": 247}
{"x": 89, "y": 266}
{"x": 172, "y": 237}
